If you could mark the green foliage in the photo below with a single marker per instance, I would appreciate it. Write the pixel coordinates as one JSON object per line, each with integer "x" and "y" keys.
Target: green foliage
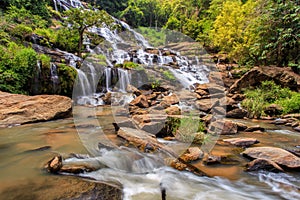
{"x": 17, "y": 64}
{"x": 23, "y": 16}
{"x": 155, "y": 37}
{"x": 37, "y": 7}
{"x": 67, "y": 39}
{"x": 81, "y": 19}
{"x": 169, "y": 75}
{"x": 268, "y": 93}
{"x": 21, "y": 31}
{"x": 67, "y": 76}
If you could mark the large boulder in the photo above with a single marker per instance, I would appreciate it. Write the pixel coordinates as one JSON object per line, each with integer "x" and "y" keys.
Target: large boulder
{"x": 22, "y": 109}
{"x": 223, "y": 127}
{"x": 255, "y": 76}
{"x": 141, "y": 101}
{"x": 277, "y": 155}
{"x": 242, "y": 142}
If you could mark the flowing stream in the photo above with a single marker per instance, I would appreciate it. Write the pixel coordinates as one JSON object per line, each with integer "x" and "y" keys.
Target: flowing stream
{"x": 25, "y": 149}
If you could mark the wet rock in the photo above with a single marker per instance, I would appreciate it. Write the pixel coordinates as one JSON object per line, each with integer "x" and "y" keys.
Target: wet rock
{"x": 295, "y": 115}
{"x": 237, "y": 113}
{"x": 173, "y": 110}
{"x": 277, "y": 155}
{"x": 140, "y": 101}
{"x": 263, "y": 164}
{"x": 297, "y": 128}
{"x": 255, "y": 128}
{"x": 238, "y": 97}
{"x": 192, "y": 154}
{"x": 242, "y": 142}
{"x": 54, "y": 165}
{"x": 259, "y": 74}
{"x": 211, "y": 159}
{"x": 76, "y": 169}
{"x": 279, "y": 121}
{"x": 22, "y": 109}
{"x": 107, "y": 98}
{"x": 295, "y": 124}
{"x": 241, "y": 126}
{"x": 223, "y": 127}
{"x": 135, "y": 110}
{"x": 201, "y": 92}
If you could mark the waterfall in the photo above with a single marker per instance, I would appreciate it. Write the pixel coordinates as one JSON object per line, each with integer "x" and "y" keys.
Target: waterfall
{"x": 67, "y": 4}
{"x": 124, "y": 80}
{"x": 54, "y": 76}
{"x": 108, "y": 80}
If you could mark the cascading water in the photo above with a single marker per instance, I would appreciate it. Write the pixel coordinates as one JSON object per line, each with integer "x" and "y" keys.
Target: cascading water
{"x": 54, "y": 76}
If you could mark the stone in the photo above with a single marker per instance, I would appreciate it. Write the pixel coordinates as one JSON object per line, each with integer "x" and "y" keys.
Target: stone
{"x": 211, "y": 159}
{"x": 273, "y": 110}
{"x": 259, "y": 74}
{"x": 205, "y": 105}
{"x": 170, "y": 100}
{"x": 173, "y": 110}
{"x": 237, "y": 113}
{"x": 242, "y": 142}
{"x": 279, "y": 121}
{"x": 223, "y": 127}
{"x": 277, "y": 155}
{"x": 241, "y": 126}
{"x": 107, "y": 98}
{"x": 297, "y": 128}
{"x": 255, "y": 128}
{"x": 134, "y": 90}
{"x": 76, "y": 169}
{"x": 238, "y": 97}
{"x": 201, "y": 92}
{"x": 211, "y": 88}
{"x": 140, "y": 101}
{"x": 21, "y": 109}
{"x": 263, "y": 164}
{"x": 192, "y": 154}
{"x": 295, "y": 115}
{"x": 54, "y": 165}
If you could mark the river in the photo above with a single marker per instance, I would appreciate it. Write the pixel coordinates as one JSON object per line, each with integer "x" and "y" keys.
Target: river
{"x": 25, "y": 150}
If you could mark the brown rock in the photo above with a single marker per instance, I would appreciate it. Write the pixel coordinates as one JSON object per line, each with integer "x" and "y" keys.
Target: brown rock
{"x": 273, "y": 110}
{"x": 173, "y": 110}
{"x": 238, "y": 97}
{"x": 140, "y": 101}
{"x": 277, "y": 155}
{"x": 263, "y": 164}
{"x": 170, "y": 100}
{"x": 237, "y": 113}
{"x": 22, "y": 109}
{"x": 201, "y": 92}
{"x": 54, "y": 165}
{"x": 205, "y": 105}
{"x": 211, "y": 159}
{"x": 134, "y": 90}
{"x": 242, "y": 142}
{"x": 76, "y": 169}
{"x": 258, "y": 74}
{"x": 295, "y": 115}
{"x": 223, "y": 127}
{"x": 211, "y": 88}
{"x": 241, "y": 126}
{"x": 255, "y": 128}
{"x": 297, "y": 128}
{"x": 107, "y": 98}
{"x": 192, "y": 154}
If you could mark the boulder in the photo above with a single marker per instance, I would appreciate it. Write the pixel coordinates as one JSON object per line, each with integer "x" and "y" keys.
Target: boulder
{"x": 205, "y": 105}
{"x": 255, "y": 128}
{"x": 237, "y": 113}
{"x": 134, "y": 90}
{"x": 173, "y": 110}
{"x": 170, "y": 100}
{"x": 140, "y": 101}
{"x": 277, "y": 155}
{"x": 257, "y": 75}
{"x": 211, "y": 88}
{"x": 242, "y": 142}
{"x": 223, "y": 127}
{"x": 107, "y": 98}
{"x": 263, "y": 164}
{"x": 241, "y": 126}
{"x": 22, "y": 109}
{"x": 297, "y": 128}
{"x": 273, "y": 110}
{"x": 54, "y": 165}
{"x": 192, "y": 154}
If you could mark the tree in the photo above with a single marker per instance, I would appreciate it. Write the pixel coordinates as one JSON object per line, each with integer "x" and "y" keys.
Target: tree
{"x": 81, "y": 19}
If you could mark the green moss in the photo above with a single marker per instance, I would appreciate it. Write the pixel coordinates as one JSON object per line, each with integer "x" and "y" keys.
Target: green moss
{"x": 67, "y": 76}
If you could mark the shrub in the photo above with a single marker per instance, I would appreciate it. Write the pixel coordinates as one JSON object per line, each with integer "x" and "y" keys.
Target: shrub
{"x": 22, "y": 31}
{"x": 269, "y": 93}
